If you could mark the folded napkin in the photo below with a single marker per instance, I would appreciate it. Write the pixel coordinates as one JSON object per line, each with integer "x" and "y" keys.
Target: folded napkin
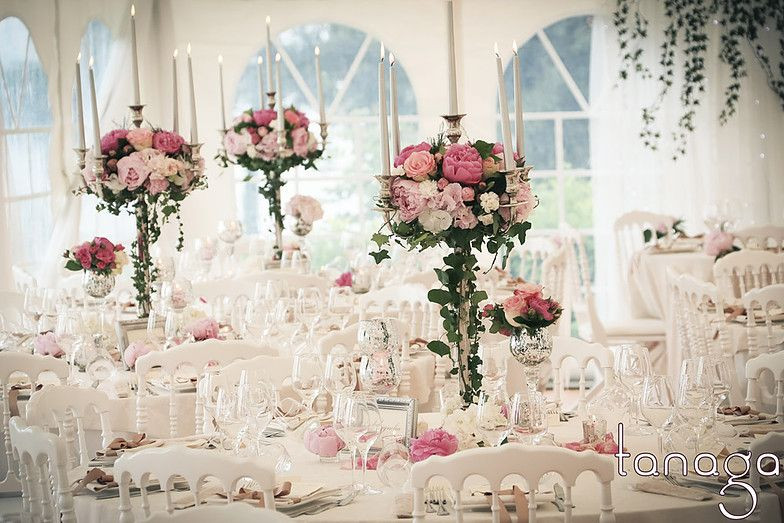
{"x": 520, "y": 501}
{"x": 284, "y": 493}
{"x": 120, "y": 444}
{"x": 658, "y": 486}
{"x": 765, "y": 428}
{"x": 95, "y": 475}
{"x": 737, "y": 410}
{"x": 280, "y": 491}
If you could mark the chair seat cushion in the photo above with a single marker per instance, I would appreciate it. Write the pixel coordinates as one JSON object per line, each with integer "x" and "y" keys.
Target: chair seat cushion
{"x": 635, "y": 327}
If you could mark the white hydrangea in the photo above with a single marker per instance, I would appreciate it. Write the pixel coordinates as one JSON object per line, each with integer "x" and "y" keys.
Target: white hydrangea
{"x": 489, "y": 201}
{"x": 428, "y": 188}
{"x": 462, "y": 423}
{"x": 485, "y": 219}
{"x": 435, "y": 220}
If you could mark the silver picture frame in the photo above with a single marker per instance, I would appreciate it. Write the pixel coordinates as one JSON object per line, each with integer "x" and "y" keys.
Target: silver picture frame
{"x": 128, "y": 331}
{"x": 408, "y": 406}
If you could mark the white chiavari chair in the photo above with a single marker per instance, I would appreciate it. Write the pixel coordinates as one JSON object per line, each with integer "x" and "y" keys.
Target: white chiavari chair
{"x": 763, "y": 237}
{"x": 69, "y": 409}
{"x": 628, "y": 229}
{"x": 33, "y": 367}
{"x": 699, "y": 316}
{"x": 767, "y": 302}
{"x": 768, "y": 446}
{"x": 11, "y": 306}
{"x": 773, "y": 362}
{"x": 739, "y": 272}
{"x": 188, "y": 355}
{"x": 495, "y": 463}
{"x": 583, "y": 353}
{"x": 194, "y": 465}
{"x": 46, "y": 491}
{"x": 527, "y": 260}
{"x": 234, "y": 512}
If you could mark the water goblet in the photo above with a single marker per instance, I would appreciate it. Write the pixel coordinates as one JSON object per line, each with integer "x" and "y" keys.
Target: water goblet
{"x": 306, "y": 378}
{"x": 657, "y": 404}
{"x": 492, "y": 418}
{"x": 633, "y": 365}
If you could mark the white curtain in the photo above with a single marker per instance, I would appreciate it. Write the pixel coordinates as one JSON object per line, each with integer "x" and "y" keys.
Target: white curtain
{"x": 742, "y": 160}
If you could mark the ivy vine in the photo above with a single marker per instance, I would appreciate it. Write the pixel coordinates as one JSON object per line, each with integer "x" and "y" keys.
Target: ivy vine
{"x": 687, "y": 30}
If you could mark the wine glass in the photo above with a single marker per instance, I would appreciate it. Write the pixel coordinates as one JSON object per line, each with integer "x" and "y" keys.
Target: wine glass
{"x": 657, "y": 404}
{"x": 227, "y": 417}
{"x": 493, "y": 366}
{"x": 363, "y": 423}
{"x": 68, "y": 328}
{"x": 32, "y": 306}
{"x": 254, "y": 401}
{"x": 528, "y": 417}
{"x": 492, "y": 418}
{"x": 715, "y": 372}
{"x": 307, "y": 307}
{"x": 341, "y": 303}
{"x": 633, "y": 365}
{"x": 306, "y": 378}
{"x": 339, "y": 373}
{"x": 339, "y": 423}
{"x": 206, "y": 392}
{"x": 695, "y": 399}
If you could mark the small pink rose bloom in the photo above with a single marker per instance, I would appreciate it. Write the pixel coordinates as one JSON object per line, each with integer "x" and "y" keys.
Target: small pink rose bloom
{"x": 264, "y": 117}
{"x": 169, "y": 143}
{"x": 111, "y": 140}
{"x": 442, "y": 183}
{"x": 299, "y": 139}
{"x": 419, "y": 165}
{"x": 462, "y": 164}
{"x": 296, "y": 118}
{"x": 132, "y": 171}
{"x": 253, "y": 132}
{"x": 46, "y": 344}
{"x": 344, "y": 280}
{"x": 433, "y": 442}
{"x": 406, "y": 152}
{"x": 204, "y": 329}
{"x": 541, "y": 306}
{"x": 514, "y": 306}
{"x": 135, "y": 351}
{"x": 468, "y": 194}
{"x": 718, "y": 242}
{"x": 156, "y": 184}
{"x": 140, "y": 138}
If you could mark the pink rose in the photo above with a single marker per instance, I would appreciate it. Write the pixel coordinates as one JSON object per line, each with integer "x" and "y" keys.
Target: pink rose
{"x": 299, "y": 139}
{"x": 407, "y": 198}
{"x": 236, "y": 143}
{"x": 156, "y": 183}
{"x": 167, "y": 142}
{"x": 253, "y": 132}
{"x": 406, "y": 152}
{"x": 132, "y": 171}
{"x": 140, "y": 138}
{"x": 344, "y": 280}
{"x": 498, "y": 149}
{"x": 442, "y": 183}
{"x": 268, "y": 147}
{"x": 134, "y": 351}
{"x": 542, "y": 307}
{"x": 433, "y": 442}
{"x": 246, "y": 118}
{"x": 718, "y": 242}
{"x": 264, "y": 117}
{"x": 419, "y": 165}
{"x": 489, "y": 166}
{"x": 46, "y": 344}
{"x": 296, "y": 118}
{"x": 204, "y": 329}
{"x": 514, "y": 306}
{"x": 468, "y": 194}
{"x": 111, "y": 140}
{"x": 462, "y": 164}
{"x": 83, "y": 255}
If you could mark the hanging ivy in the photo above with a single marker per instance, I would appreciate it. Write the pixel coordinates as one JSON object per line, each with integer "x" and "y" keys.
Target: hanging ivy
{"x": 684, "y": 44}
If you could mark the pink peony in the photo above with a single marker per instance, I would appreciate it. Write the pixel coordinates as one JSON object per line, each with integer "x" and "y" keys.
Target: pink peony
{"x": 306, "y": 208}
{"x": 170, "y": 143}
{"x": 450, "y": 199}
{"x": 236, "y": 143}
{"x": 462, "y": 164}
{"x": 134, "y": 351}
{"x": 264, "y": 117}
{"x": 407, "y": 198}
{"x": 140, "y": 138}
{"x": 46, "y": 344}
{"x": 344, "y": 280}
{"x": 132, "y": 171}
{"x": 296, "y": 118}
{"x": 299, "y": 139}
{"x": 433, "y": 442}
{"x": 419, "y": 165}
{"x": 406, "y": 152}
{"x": 111, "y": 140}
{"x": 718, "y": 243}
{"x": 204, "y": 329}
{"x": 268, "y": 147}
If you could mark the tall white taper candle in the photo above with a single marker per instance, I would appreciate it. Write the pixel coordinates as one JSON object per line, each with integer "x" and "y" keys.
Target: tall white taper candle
{"x": 94, "y": 103}
{"x": 269, "y": 56}
{"x": 393, "y": 106}
{"x": 175, "y": 95}
{"x": 320, "y": 87}
{"x": 382, "y": 115}
{"x": 505, "y": 125}
{"x": 79, "y": 103}
{"x": 194, "y": 125}
{"x": 518, "y": 101}
{"x": 260, "y": 75}
{"x": 281, "y": 119}
{"x": 135, "y": 58}
{"x": 222, "y": 97}
{"x": 450, "y": 29}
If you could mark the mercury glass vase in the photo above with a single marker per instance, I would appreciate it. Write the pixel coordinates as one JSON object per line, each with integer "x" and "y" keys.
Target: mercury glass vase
{"x": 377, "y": 335}
{"x": 301, "y": 227}
{"x": 531, "y": 348}
{"x": 97, "y": 285}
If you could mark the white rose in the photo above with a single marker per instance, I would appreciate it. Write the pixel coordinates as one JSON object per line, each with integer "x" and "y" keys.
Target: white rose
{"x": 114, "y": 185}
{"x": 489, "y": 201}
{"x": 435, "y": 220}
{"x": 398, "y": 171}
{"x": 428, "y": 188}
{"x": 486, "y": 219}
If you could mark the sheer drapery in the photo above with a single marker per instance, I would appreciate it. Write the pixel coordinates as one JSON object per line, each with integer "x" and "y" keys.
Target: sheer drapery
{"x": 741, "y": 161}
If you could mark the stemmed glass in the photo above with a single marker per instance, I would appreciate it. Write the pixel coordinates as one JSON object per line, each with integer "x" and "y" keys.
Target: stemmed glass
{"x": 307, "y": 308}
{"x": 492, "y": 418}
{"x": 657, "y": 404}
{"x": 695, "y": 399}
{"x": 633, "y": 365}
{"x": 227, "y": 416}
{"x": 339, "y": 373}
{"x": 493, "y": 367}
{"x": 33, "y": 307}
{"x": 341, "y": 303}
{"x": 528, "y": 417}
{"x": 715, "y": 372}
{"x": 306, "y": 377}
{"x": 362, "y": 422}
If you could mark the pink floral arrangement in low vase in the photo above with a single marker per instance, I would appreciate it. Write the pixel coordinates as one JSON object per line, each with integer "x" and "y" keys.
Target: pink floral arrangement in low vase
{"x": 527, "y": 309}
{"x": 719, "y": 243}
{"x": 98, "y": 255}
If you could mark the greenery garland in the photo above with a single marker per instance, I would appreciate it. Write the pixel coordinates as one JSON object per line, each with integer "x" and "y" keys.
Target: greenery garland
{"x": 688, "y": 26}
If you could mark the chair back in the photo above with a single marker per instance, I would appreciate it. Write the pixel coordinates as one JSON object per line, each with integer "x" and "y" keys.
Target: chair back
{"x": 46, "y": 491}
{"x": 773, "y": 362}
{"x": 763, "y": 237}
{"x": 763, "y": 304}
{"x": 738, "y": 272}
{"x": 699, "y": 313}
{"x": 628, "y": 229}
{"x": 769, "y": 445}
{"x": 67, "y": 408}
{"x": 583, "y": 353}
{"x": 583, "y": 303}
{"x": 530, "y": 462}
{"x": 194, "y": 466}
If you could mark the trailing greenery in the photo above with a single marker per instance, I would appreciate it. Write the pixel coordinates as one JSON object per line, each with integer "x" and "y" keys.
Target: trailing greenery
{"x": 740, "y": 22}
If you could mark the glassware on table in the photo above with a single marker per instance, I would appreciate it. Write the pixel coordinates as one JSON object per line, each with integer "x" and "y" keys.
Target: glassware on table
{"x": 207, "y": 391}
{"x": 657, "y": 404}
{"x": 341, "y": 303}
{"x": 363, "y": 423}
{"x": 205, "y": 249}
{"x": 493, "y": 366}
{"x": 361, "y": 279}
{"x": 68, "y": 329}
{"x": 528, "y": 417}
{"x": 339, "y": 373}
{"x": 379, "y": 371}
{"x": 308, "y": 305}
{"x": 612, "y": 405}
{"x": 306, "y": 378}
{"x": 32, "y": 306}
{"x": 227, "y": 416}
{"x": 633, "y": 365}
{"x": 340, "y": 424}
{"x": 717, "y": 374}
{"x": 695, "y": 401}
{"x": 394, "y": 461}
{"x": 492, "y": 418}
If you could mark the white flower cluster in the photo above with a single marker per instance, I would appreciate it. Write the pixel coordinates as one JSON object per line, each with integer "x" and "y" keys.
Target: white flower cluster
{"x": 462, "y": 423}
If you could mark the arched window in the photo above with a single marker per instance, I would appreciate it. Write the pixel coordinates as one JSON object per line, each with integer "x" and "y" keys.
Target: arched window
{"x": 343, "y": 183}
{"x": 25, "y": 135}
{"x": 555, "y": 66}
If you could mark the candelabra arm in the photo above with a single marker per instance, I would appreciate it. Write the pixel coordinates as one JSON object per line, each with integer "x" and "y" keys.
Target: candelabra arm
{"x": 323, "y": 126}
{"x": 136, "y": 114}
{"x": 454, "y": 129}
{"x": 271, "y": 99}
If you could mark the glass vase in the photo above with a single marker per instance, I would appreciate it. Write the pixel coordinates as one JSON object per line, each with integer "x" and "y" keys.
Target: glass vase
{"x": 531, "y": 348}
{"x": 97, "y": 285}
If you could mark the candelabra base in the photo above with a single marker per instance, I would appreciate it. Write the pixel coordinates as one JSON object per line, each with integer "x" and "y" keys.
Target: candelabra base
{"x": 454, "y": 130}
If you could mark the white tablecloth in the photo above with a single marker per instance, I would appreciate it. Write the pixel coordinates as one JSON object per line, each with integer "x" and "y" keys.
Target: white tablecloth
{"x": 630, "y": 506}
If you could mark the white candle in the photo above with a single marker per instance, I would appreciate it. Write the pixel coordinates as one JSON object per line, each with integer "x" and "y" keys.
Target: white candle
{"x": 194, "y": 125}
{"x": 281, "y": 120}
{"x": 220, "y": 84}
{"x": 393, "y": 106}
{"x": 135, "y": 58}
{"x": 319, "y": 87}
{"x": 505, "y": 126}
{"x": 518, "y": 100}
{"x": 269, "y": 56}
{"x": 94, "y": 102}
{"x": 382, "y": 115}
{"x": 260, "y": 75}
{"x": 450, "y": 29}
{"x": 175, "y": 95}
{"x": 79, "y": 103}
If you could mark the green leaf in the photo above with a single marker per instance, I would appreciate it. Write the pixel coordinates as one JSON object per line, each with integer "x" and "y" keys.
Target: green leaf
{"x": 380, "y": 239}
{"x": 439, "y": 296}
{"x": 647, "y": 234}
{"x": 485, "y": 149}
{"x": 477, "y": 297}
{"x": 380, "y": 256}
{"x": 438, "y": 347}
{"x": 73, "y": 265}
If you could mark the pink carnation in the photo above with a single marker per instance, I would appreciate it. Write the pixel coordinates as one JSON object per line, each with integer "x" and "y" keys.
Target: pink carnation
{"x": 135, "y": 351}
{"x": 204, "y": 329}
{"x": 717, "y": 243}
{"x": 132, "y": 171}
{"x": 433, "y": 442}
{"x": 167, "y": 142}
{"x": 111, "y": 140}
{"x": 344, "y": 280}
{"x": 46, "y": 344}
{"x": 462, "y": 164}
{"x": 140, "y": 138}
{"x": 264, "y": 117}
{"x": 406, "y": 152}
